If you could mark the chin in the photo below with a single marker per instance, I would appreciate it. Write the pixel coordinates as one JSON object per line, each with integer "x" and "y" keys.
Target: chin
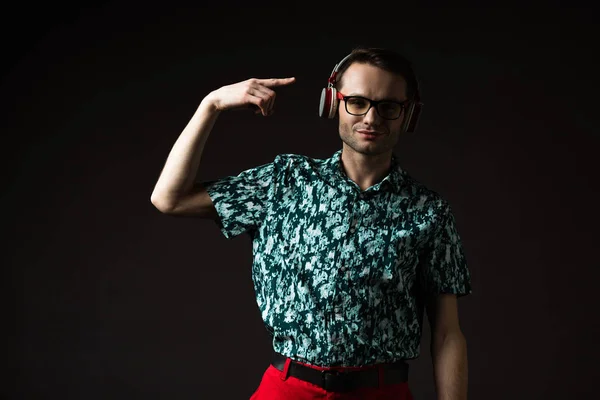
{"x": 368, "y": 149}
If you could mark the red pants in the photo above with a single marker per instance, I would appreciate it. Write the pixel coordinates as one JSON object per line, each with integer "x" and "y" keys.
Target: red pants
{"x": 274, "y": 386}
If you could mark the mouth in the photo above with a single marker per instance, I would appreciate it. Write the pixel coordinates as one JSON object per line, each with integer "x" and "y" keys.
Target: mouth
{"x": 369, "y": 134}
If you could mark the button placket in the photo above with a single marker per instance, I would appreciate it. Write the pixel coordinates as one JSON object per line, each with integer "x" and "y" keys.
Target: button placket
{"x": 353, "y": 221}
{"x": 358, "y": 207}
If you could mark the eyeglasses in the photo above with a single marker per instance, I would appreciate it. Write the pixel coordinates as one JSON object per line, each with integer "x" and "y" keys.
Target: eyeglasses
{"x": 358, "y": 105}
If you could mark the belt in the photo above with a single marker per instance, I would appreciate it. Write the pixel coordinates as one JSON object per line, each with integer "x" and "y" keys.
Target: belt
{"x": 345, "y": 381}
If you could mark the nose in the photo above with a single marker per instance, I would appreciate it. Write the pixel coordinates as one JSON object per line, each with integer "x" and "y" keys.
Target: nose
{"x": 371, "y": 117}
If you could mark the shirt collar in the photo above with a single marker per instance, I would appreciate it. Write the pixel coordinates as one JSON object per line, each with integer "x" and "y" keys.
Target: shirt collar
{"x": 335, "y": 174}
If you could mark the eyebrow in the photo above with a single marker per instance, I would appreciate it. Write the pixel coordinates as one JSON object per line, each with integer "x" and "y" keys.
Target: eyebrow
{"x": 362, "y": 95}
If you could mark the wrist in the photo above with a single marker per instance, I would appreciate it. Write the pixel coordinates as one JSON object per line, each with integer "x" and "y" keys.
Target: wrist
{"x": 209, "y": 104}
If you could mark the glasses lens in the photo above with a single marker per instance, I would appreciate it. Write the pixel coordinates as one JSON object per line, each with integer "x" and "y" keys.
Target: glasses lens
{"x": 386, "y": 109}
{"x": 357, "y": 105}
{"x": 389, "y": 110}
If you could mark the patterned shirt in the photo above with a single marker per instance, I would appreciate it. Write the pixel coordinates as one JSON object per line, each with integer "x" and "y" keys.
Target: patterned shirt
{"x": 341, "y": 275}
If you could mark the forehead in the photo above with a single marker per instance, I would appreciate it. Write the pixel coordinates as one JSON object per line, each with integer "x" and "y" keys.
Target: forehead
{"x": 373, "y": 82}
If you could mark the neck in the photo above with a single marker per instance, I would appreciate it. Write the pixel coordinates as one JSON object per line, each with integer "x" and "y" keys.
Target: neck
{"x": 363, "y": 169}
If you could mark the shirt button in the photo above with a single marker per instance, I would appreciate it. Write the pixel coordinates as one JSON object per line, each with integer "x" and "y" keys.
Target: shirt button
{"x": 343, "y": 269}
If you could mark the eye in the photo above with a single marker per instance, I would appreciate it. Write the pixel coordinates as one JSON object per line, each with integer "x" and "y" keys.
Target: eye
{"x": 357, "y": 102}
{"x": 389, "y": 107}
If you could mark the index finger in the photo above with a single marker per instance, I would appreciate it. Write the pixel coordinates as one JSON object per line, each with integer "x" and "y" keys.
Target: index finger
{"x": 276, "y": 81}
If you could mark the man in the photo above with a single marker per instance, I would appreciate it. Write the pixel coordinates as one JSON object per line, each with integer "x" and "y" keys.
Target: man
{"x": 348, "y": 251}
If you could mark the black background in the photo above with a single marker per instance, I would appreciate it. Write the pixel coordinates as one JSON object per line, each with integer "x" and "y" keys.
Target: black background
{"x": 110, "y": 299}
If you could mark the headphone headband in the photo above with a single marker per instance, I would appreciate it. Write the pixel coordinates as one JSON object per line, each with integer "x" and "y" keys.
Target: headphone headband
{"x": 332, "y": 77}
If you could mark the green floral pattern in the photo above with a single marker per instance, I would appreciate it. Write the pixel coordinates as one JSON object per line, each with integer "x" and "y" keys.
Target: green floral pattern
{"x": 341, "y": 275}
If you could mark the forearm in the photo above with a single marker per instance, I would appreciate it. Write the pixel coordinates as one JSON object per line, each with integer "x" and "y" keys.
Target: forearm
{"x": 181, "y": 167}
{"x": 449, "y": 356}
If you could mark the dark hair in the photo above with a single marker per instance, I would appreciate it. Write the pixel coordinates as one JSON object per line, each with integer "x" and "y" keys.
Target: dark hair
{"x": 385, "y": 59}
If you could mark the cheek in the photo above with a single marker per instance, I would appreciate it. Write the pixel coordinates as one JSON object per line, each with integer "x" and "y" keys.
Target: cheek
{"x": 344, "y": 128}
{"x": 396, "y": 125}
{"x": 348, "y": 120}
{"x": 345, "y": 124}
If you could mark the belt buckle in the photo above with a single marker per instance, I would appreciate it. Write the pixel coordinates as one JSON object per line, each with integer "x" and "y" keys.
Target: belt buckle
{"x": 335, "y": 381}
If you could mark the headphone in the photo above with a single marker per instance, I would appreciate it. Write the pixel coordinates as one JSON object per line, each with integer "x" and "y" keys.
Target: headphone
{"x": 330, "y": 99}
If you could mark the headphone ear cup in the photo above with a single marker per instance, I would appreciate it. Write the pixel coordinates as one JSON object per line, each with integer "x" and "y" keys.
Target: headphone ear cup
{"x": 328, "y": 103}
{"x": 333, "y": 103}
{"x": 412, "y": 117}
{"x": 323, "y": 105}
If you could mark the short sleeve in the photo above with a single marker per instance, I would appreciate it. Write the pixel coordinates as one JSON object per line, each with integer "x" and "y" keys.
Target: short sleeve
{"x": 241, "y": 201}
{"x": 444, "y": 265}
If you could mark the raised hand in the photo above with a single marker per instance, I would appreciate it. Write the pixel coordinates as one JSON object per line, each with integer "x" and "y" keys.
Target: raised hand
{"x": 251, "y": 93}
